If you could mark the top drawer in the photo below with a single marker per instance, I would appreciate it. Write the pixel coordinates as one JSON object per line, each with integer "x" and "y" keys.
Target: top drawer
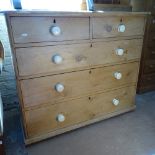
{"x": 117, "y": 26}
{"x": 42, "y": 29}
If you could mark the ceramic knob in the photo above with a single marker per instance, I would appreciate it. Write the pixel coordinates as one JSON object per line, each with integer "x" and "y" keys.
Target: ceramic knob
{"x": 119, "y": 51}
{"x": 57, "y": 59}
{"x": 59, "y": 87}
{"x": 115, "y": 102}
{"x": 117, "y": 75}
{"x": 60, "y": 118}
{"x": 121, "y": 28}
{"x": 55, "y": 30}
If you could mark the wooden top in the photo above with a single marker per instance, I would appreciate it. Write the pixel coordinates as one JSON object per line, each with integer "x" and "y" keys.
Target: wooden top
{"x": 80, "y": 13}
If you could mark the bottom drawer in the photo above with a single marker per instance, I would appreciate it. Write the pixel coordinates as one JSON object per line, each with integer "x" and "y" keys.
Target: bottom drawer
{"x": 66, "y": 114}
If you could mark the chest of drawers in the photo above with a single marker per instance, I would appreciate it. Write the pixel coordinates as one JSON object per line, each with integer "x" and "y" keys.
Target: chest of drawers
{"x": 74, "y": 69}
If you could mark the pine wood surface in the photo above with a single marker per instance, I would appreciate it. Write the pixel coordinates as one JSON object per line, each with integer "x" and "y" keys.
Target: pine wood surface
{"x": 43, "y": 120}
{"x": 41, "y": 91}
{"x": 38, "y": 60}
{"x": 87, "y": 71}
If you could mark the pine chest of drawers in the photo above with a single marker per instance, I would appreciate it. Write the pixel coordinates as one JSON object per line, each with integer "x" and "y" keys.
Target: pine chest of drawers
{"x": 74, "y": 69}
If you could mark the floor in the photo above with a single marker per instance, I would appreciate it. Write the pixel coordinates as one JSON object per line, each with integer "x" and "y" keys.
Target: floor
{"x": 128, "y": 134}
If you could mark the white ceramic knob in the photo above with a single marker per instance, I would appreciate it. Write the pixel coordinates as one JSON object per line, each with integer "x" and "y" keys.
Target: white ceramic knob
{"x": 60, "y": 118}
{"x": 121, "y": 28}
{"x": 117, "y": 75}
{"x": 119, "y": 51}
{"x": 24, "y": 34}
{"x": 115, "y": 102}
{"x": 59, "y": 87}
{"x": 55, "y": 30}
{"x": 57, "y": 59}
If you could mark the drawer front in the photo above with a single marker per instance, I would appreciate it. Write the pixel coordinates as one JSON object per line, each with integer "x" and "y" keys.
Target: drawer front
{"x": 39, "y": 60}
{"x": 57, "y": 88}
{"x": 149, "y": 66}
{"x": 42, "y": 29}
{"x": 65, "y": 114}
{"x": 117, "y": 26}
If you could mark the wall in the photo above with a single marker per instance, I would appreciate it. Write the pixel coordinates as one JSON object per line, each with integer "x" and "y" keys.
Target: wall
{"x": 7, "y": 79}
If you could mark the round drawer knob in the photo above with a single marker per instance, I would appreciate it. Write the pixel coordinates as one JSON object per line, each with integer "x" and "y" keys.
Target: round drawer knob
{"x": 57, "y": 59}
{"x": 59, "y": 87}
{"x": 60, "y": 118}
{"x": 121, "y": 28}
{"x": 119, "y": 51}
{"x": 115, "y": 102}
{"x": 117, "y": 75}
{"x": 55, "y": 30}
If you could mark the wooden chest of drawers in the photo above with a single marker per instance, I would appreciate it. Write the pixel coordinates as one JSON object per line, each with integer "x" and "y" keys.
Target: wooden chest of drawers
{"x": 74, "y": 69}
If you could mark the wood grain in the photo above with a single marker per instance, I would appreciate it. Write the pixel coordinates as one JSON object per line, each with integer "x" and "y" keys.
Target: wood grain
{"x": 40, "y": 91}
{"x": 37, "y": 29}
{"x": 108, "y": 26}
{"x": 38, "y": 138}
{"x": 87, "y": 70}
{"x": 38, "y": 60}
{"x": 43, "y": 120}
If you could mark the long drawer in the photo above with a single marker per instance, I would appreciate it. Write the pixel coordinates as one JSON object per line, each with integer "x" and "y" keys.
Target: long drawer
{"x": 58, "y": 59}
{"x": 54, "y": 117}
{"x": 117, "y": 26}
{"x": 41, "y": 29}
{"x": 54, "y": 89}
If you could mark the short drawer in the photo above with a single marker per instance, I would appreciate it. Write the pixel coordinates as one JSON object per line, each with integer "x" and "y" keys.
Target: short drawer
{"x": 58, "y": 59}
{"x": 149, "y": 66}
{"x": 57, "y": 88}
{"x": 66, "y": 114}
{"x": 44, "y": 29}
{"x": 117, "y": 26}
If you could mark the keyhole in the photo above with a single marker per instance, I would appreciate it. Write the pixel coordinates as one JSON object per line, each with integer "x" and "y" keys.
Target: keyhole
{"x": 89, "y": 98}
{"x": 90, "y": 72}
{"x": 54, "y": 21}
{"x": 121, "y": 20}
